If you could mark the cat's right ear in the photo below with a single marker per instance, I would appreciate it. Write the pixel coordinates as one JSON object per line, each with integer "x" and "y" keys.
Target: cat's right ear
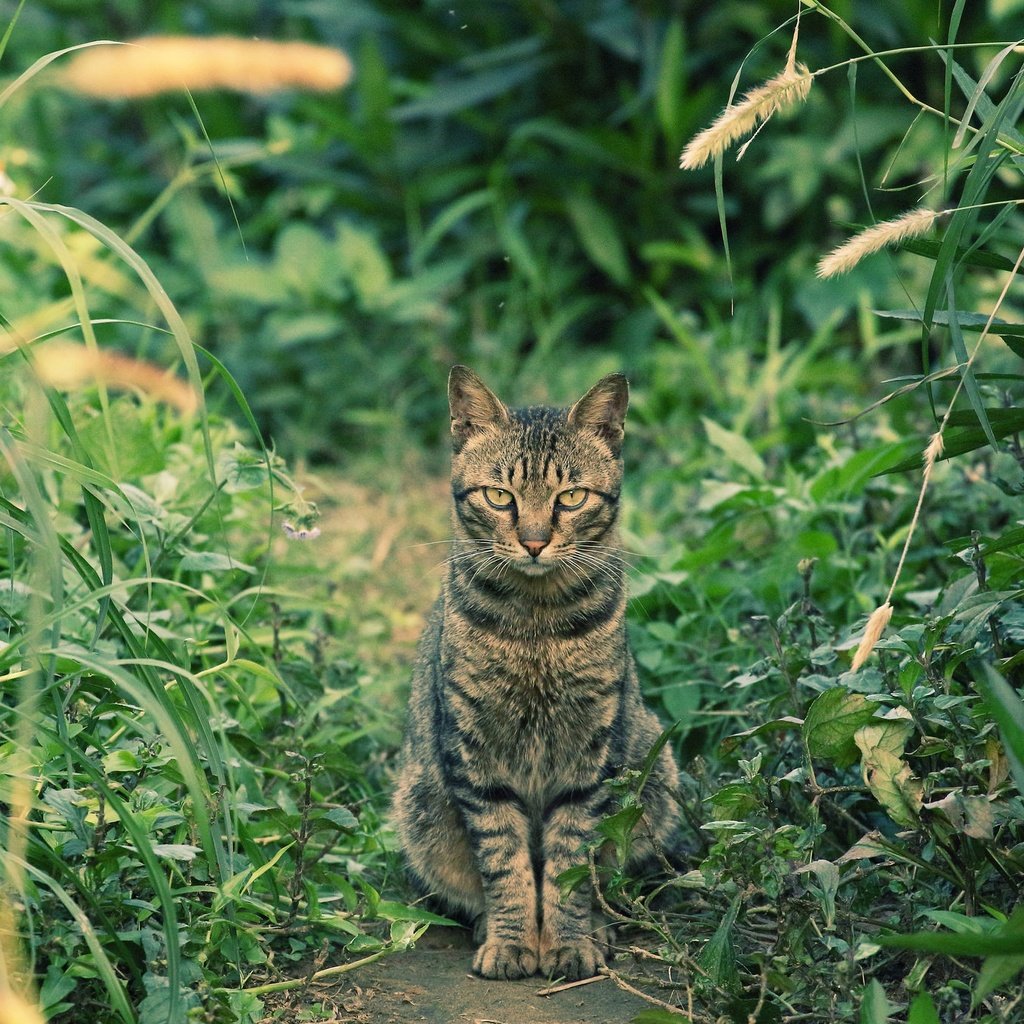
{"x": 474, "y": 407}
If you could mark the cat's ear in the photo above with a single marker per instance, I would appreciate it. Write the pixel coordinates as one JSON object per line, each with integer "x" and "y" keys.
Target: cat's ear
{"x": 473, "y": 405}
{"x": 603, "y": 410}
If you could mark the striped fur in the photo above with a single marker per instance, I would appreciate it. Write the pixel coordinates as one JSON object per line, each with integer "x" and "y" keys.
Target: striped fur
{"x": 525, "y": 698}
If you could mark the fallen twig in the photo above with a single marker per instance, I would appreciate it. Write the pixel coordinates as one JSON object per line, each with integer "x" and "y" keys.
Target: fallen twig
{"x": 555, "y": 989}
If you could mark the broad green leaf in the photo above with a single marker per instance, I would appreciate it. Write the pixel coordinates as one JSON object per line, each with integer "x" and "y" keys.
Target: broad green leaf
{"x": 828, "y": 878}
{"x": 341, "y": 817}
{"x": 894, "y": 786}
{"x": 211, "y": 561}
{"x": 158, "y": 1007}
{"x": 121, "y": 760}
{"x": 832, "y": 721}
{"x": 571, "y": 878}
{"x": 996, "y": 971}
{"x": 922, "y": 1010}
{"x": 681, "y": 699}
{"x": 364, "y": 264}
{"x": 1008, "y": 711}
{"x": 599, "y": 236}
{"x": 58, "y": 983}
{"x": 875, "y": 1007}
{"x": 404, "y": 933}
{"x": 735, "y": 447}
{"x": 718, "y": 958}
{"x": 618, "y": 827}
{"x": 733, "y": 740}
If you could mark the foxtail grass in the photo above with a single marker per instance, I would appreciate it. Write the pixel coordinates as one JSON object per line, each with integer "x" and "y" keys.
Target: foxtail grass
{"x": 890, "y": 232}
{"x": 70, "y": 367}
{"x": 786, "y": 89}
{"x": 159, "y": 64}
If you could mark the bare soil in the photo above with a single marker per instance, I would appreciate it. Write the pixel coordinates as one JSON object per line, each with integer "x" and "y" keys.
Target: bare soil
{"x": 433, "y": 984}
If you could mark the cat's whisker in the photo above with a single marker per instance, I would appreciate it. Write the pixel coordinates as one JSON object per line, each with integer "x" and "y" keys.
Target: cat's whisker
{"x": 425, "y": 544}
{"x": 485, "y": 548}
{"x": 611, "y": 550}
{"x": 494, "y": 559}
{"x": 602, "y": 564}
{"x": 567, "y": 562}
{"x": 610, "y": 557}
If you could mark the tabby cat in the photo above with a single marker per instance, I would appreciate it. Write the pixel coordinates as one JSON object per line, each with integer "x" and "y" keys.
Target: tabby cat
{"x": 525, "y": 698}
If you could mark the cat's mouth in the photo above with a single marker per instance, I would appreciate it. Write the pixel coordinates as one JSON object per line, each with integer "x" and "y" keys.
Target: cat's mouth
{"x": 534, "y": 567}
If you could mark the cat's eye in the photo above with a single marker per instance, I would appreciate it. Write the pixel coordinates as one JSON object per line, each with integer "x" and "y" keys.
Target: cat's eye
{"x": 572, "y": 498}
{"x": 498, "y": 497}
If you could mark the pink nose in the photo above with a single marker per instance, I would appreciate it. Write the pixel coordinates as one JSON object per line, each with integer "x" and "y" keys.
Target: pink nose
{"x": 535, "y": 547}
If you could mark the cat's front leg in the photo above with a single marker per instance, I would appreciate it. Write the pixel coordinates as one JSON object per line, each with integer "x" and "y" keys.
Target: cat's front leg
{"x": 567, "y": 946}
{"x": 500, "y": 834}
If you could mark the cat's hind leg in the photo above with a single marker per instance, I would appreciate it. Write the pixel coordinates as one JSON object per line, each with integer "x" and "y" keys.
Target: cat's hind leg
{"x": 439, "y": 857}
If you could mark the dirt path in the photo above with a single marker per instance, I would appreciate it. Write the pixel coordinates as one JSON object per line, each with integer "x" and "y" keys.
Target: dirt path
{"x": 432, "y": 984}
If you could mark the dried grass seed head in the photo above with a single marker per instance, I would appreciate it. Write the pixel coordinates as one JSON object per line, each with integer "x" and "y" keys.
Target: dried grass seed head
{"x": 786, "y": 89}
{"x": 157, "y": 64}
{"x": 872, "y": 633}
{"x": 871, "y": 240}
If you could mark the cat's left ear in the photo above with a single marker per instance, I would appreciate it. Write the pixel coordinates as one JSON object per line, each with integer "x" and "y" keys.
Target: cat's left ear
{"x": 603, "y": 410}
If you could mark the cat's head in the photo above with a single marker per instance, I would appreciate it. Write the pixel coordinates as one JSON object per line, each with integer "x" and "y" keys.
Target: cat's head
{"x": 536, "y": 490}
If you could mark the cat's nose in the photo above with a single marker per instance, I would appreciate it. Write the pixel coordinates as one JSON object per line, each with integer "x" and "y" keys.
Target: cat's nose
{"x": 535, "y": 547}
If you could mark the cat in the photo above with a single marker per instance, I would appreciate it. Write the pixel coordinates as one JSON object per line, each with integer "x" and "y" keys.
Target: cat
{"x": 525, "y": 698}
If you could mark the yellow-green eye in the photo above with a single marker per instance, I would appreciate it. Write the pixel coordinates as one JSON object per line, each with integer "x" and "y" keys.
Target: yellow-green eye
{"x": 498, "y": 497}
{"x": 572, "y": 498}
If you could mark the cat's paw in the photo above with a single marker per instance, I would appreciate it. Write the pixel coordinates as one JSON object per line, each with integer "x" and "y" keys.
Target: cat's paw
{"x": 505, "y": 960}
{"x": 572, "y": 961}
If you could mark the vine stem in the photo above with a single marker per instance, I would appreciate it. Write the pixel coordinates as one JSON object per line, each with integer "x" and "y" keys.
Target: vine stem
{"x": 626, "y": 987}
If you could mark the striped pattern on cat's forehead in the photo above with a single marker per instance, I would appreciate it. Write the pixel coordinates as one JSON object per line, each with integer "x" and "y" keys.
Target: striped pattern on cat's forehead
{"x": 539, "y": 448}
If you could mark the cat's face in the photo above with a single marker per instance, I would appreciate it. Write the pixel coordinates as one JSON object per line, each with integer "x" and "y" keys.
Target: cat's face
{"x": 535, "y": 490}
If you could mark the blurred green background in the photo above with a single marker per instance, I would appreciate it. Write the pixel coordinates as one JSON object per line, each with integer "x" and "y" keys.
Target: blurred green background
{"x": 499, "y": 186}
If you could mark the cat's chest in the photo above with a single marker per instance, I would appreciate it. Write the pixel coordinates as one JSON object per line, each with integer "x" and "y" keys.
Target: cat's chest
{"x": 535, "y": 713}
